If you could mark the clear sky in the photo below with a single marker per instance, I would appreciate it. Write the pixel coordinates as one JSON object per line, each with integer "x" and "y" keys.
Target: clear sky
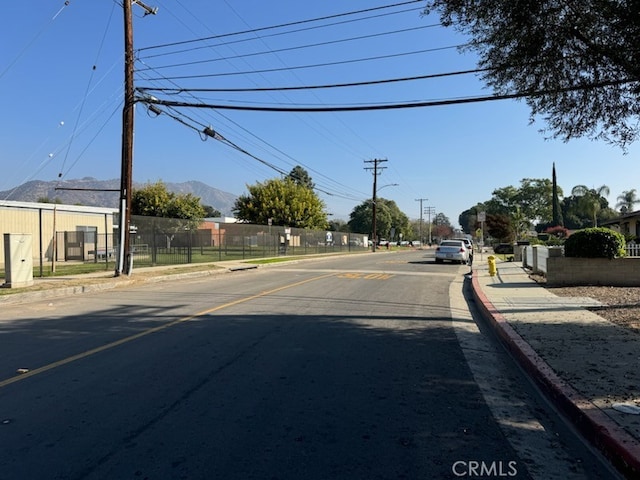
{"x": 61, "y": 82}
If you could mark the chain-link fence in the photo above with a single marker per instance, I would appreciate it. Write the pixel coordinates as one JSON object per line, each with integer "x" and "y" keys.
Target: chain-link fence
{"x": 160, "y": 241}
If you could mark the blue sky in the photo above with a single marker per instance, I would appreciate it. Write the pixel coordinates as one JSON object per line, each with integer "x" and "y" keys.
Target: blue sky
{"x": 60, "y": 115}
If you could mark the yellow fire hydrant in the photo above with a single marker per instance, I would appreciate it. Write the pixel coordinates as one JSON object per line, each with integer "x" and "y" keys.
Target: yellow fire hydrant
{"x": 491, "y": 260}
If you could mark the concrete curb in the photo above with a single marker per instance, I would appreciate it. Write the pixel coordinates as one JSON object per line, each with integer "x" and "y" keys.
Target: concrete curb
{"x": 622, "y": 449}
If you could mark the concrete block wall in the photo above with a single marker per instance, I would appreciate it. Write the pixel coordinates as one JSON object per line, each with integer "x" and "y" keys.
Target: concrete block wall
{"x": 568, "y": 271}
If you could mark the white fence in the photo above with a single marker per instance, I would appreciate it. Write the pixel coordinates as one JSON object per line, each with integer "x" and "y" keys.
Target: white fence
{"x": 633, "y": 249}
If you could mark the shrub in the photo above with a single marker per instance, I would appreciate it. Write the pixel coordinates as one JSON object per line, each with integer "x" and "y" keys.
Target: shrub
{"x": 594, "y": 243}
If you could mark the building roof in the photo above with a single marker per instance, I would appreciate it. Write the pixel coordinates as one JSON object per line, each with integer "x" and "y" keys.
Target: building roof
{"x": 10, "y": 204}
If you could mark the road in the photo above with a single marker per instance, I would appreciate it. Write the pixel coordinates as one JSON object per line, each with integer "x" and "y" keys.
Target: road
{"x": 360, "y": 367}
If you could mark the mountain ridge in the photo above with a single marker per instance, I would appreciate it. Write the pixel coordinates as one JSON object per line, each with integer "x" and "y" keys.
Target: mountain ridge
{"x": 34, "y": 190}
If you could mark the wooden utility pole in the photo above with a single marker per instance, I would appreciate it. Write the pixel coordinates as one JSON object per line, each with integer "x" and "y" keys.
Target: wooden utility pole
{"x": 375, "y": 169}
{"x": 123, "y": 262}
{"x": 421, "y": 200}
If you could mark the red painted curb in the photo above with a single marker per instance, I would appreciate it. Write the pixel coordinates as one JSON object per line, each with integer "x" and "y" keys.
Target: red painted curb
{"x": 622, "y": 449}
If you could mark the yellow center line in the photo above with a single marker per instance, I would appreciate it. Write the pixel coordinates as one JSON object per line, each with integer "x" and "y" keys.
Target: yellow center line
{"x": 88, "y": 353}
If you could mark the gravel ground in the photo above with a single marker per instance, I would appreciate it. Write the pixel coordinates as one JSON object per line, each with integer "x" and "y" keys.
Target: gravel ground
{"x": 620, "y": 305}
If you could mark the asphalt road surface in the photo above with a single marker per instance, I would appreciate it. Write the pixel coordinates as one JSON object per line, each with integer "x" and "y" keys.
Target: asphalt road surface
{"x": 359, "y": 367}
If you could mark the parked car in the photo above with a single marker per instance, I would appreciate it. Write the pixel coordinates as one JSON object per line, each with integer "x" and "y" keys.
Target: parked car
{"x": 468, "y": 243}
{"x": 504, "y": 248}
{"x": 452, "y": 251}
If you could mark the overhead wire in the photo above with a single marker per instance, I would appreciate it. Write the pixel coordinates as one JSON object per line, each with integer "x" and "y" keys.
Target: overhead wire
{"x": 316, "y": 65}
{"x": 271, "y": 51}
{"x": 181, "y": 90}
{"x": 221, "y": 138}
{"x": 293, "y": 48}
{"x": 270, "y": 146}
{"x": 329, "y": 190}
{"x": 277, "y": 34}
{"x": 394, "y": 106}
{"x": 271, "y": 27}
{"x": 180, "y": 118}
{"x": 174, "y": 91}
{"x": 33, "y": 40}
{"x": 196, "y": 18}
{"x": 86, "y": 93}
{"x": 320, "y": 125}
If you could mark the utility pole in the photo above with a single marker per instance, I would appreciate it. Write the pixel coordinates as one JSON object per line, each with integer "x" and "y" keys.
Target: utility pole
{"x": 123, "y": 262}
{"x": 375, "y": 169}
{"x": 430, "y": 210}
{"x": 421, "y": 200}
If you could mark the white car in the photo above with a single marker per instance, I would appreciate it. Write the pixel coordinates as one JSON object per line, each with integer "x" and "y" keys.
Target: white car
{"x": 452, "y": 251}
{"x": 468, "y": 243}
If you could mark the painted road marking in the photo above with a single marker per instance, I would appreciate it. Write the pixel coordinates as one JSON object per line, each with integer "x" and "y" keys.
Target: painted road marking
{"x": 122, "y": 341}
{"x": 366, "y": 276}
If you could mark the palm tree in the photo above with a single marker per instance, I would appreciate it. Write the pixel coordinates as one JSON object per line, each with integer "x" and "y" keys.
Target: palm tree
{"x": 627, "y": 200}
{"x": 590, "y": 199}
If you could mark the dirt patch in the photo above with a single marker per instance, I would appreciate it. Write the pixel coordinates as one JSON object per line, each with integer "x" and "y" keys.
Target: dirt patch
{"x": 620, "y": 305}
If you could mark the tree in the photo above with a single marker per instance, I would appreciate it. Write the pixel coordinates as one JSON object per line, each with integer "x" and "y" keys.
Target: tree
{"x": 284, "y": 202}
{"x": 468, "y": 219}
{"x": 534, "y": 198}
{"x": 300, "y": 176}
{"x": 441, "y": 227}
{"x": 552, "y": 47}
{"x": 627, "y": 201}
{"x": 388, "y": 216}
{"x": 519, "y": 223}
{"x": 338, "y": 226}
{"x": 161, "y": 211}
{"x": 210, "y": 212}
{"x": 591, "y": 200}
{"x": 500, "y": 227}
{"x": 48, "y": 200}
{"x": 556, "y": 220}
{"x": 183, "y": 212}
{"x": 503, "y": 201}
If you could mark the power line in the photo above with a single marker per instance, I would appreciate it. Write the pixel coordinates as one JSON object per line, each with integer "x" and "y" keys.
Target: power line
{"x": 392, "y": 106}
{"x": 292, "y": 48}
{"x": 207, "y": 131}
{"x": 175, "y": 91}
{"x": 272, "y": 27}
{"x": 279, "y": 34}
{"x": 33, "y": 40}
{"x": 333, "y": 190}
{"x": 317, "y": 65}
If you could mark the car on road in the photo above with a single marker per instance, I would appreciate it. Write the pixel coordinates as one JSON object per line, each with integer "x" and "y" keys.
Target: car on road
{"x": 452, "y": 251}
{"x": 468, "y": 244}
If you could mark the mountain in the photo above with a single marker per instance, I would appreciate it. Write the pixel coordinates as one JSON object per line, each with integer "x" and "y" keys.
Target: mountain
{"x": 37, "y": 189}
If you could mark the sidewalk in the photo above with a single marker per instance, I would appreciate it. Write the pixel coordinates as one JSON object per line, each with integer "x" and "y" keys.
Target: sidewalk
{"x": 586, "y": 365}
